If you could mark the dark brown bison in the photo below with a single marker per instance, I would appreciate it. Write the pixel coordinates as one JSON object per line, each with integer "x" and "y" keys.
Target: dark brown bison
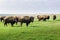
{"x": 10, "y": 19}
{"x": 54, "y": 17}
{"x": 25, "y": 19}
{"x": 43, "y": 17}
{"x": 2, "y": 18}
{"x": 32, "y": 19}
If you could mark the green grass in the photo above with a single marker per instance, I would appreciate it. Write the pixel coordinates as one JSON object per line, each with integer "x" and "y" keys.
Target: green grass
{"x": 38, "y": 30}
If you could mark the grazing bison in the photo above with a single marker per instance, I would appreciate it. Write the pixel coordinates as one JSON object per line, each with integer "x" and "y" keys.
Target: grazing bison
{"x": 10, "y": 19}
{"x": 2, "y": 18}
{"x": 43, "y": 17}
{"x": 25, "y": 19}
{"x": 54, "y": 17}
{"x": 39, "y": 17}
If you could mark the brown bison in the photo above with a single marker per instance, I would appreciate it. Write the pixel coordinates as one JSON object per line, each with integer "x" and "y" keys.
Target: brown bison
{"x": 39, "y": 17}
{"x": 43, "y": 17}
{"x": 25, "y": 19}
{"x": 54, "y": 17}
{"x": 10, "y": 19}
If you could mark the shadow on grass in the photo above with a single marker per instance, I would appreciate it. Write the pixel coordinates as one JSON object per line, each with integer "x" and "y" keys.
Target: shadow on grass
{"x": 57, "y": 20}
{"x": 16, "y": 26}
{"x": 35, "y": 26}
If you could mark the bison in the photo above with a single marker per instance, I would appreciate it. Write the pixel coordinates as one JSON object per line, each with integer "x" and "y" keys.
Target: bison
{"x": 25, "y": 19}
{"x": 54, "y": 17}
{"x": 39, "y": 17}
{"x": 10, "y": 19}
{"x": 43, "y": 17}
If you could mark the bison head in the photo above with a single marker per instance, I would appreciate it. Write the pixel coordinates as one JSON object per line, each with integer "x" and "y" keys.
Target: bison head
{"x": 31, "y": 19}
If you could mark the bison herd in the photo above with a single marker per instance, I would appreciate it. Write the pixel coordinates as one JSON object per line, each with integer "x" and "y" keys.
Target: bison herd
{"x": 23, "y": 19}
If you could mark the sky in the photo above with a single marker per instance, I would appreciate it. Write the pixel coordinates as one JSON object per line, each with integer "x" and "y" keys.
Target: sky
{"x": 29, "y": 6}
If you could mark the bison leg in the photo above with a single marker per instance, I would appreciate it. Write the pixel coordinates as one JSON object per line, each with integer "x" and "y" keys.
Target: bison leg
{"x": 21, "y": 24}
{"x": 44, "y": 19}
{"x": 1, "y": 20}
{"x": 54, "y": 18}
{"x": 16, "y": 23}
{"x": 12, "y": 24}
{"x": 27, "y": 24}
{"x": 5, "y": 24}
{"x": 39, "y": 20}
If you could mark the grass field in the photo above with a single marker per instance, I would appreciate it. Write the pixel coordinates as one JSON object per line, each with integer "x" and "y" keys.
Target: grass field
{"x": 38, "y": 30}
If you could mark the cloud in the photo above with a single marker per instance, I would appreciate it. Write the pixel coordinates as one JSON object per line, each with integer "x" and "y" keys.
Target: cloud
{"x": 12, "y": 6}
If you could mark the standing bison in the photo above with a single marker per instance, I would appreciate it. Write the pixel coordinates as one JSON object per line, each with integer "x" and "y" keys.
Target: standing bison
{"x": 25, "y": 19}
{"x": 39, "y": 17}
{"x": 43, "y": 17}
{"x": 10, "y": 19}
{"x": 54, "y": 17}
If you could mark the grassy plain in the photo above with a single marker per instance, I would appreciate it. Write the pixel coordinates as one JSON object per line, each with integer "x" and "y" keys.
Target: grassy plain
{"x": 38, "y": 30}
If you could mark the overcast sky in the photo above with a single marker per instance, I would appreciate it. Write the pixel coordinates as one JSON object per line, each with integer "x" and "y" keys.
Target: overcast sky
{"x": 29, "y": 6}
